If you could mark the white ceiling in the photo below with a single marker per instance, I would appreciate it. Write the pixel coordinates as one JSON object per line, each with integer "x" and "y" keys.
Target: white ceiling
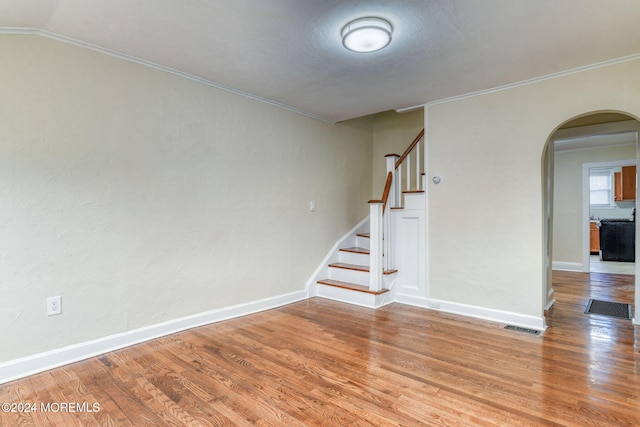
{"x": 595, "y": 141}
{"x": 600, "y": 135}
{"x": 289, "y": 52}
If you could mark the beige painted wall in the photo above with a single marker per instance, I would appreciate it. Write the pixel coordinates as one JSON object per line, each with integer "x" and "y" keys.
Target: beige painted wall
{"x": 567, "y": 216}
{"x": 392, "y": 134}
{"x": 140, "y": 196}
{"x": 486, "y": 217}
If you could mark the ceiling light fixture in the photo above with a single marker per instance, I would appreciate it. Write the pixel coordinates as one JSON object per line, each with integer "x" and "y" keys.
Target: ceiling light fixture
{"x": 366, "y": 34}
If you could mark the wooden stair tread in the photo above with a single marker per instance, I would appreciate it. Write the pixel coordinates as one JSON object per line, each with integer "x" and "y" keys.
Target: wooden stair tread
{"x": 365, "y": 235}
{"x": 346, "y": 266}
{"x": 356, "y": 250}
{"x": 357, "y": 267}
{"x": 412, "y": 191}
{"x": 351, "y": 286}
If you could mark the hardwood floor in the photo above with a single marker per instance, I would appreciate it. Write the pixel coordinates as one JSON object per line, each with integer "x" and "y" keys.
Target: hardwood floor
{"x": 320, "y": 362}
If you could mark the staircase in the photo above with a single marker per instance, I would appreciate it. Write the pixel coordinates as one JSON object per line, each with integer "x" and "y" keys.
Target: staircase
{"x": 349, "y": 278}
{"x": 362, "y": 271}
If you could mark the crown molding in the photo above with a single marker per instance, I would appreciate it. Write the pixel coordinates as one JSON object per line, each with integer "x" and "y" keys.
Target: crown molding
{"x": 120, "y": 55}
{"x": 150, "y": 64}
{"x": 409, "y": 109}
{"x": 625, "y": 126}
{"x": 536, "y": 79}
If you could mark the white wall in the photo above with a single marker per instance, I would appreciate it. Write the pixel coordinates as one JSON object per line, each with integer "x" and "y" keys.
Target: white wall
{"x": 141, "y": 197}
{"x": 486, "y": 217}
{"x": 392, "y": 134}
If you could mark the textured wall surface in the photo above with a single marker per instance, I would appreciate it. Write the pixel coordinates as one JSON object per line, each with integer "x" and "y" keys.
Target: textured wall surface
{"x": 486, "y": 217}
{"x": 393, "y": 132}
{"x": 140, "y": 196}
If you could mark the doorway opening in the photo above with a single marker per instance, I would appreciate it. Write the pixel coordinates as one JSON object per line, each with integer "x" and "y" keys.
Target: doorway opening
{"x": 609, "y": 201}
{"x": 583, "y": 164}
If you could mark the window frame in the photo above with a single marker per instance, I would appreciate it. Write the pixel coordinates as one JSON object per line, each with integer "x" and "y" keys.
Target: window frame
{"x": 610, "y": 173}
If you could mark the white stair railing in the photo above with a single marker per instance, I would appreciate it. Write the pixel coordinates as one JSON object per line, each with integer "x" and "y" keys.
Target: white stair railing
{"x": 379, "y": 238}
{"x": 375, "y": 245}
{"x": 411, "y": 160}
{"x": 395, "y": 191}
{"x": 380, "y": 254}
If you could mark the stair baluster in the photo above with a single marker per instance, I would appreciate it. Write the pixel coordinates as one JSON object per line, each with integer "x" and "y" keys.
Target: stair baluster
{"x": 380, "y": 254}
{"x": 375, "y": 249}
{"x": 404, "y": 162}
{"x": 396, "y": 190}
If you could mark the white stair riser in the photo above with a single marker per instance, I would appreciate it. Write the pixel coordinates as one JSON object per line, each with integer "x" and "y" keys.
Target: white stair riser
{"x": 363, "y": 242}
{"x": 388, "y": 280}
{"x": 354, "y": 297}
{"x": 354, "y": 258}
{"x": 414, "y": 201}
{"x": 353, "y": 276}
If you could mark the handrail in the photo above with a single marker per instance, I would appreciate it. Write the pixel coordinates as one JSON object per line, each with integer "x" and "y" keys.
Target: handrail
{"x": 387, "y": 189}
{"x": 381, "y": 248}
{"x": 410, "y": 148}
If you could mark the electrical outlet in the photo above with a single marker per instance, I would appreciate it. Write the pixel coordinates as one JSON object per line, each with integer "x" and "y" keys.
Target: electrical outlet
{"x": 53, "y": 306}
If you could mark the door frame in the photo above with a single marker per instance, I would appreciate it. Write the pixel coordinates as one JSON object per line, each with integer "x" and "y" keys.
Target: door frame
{"x": 548, "y": 179}
{"x": 586, "y": 231}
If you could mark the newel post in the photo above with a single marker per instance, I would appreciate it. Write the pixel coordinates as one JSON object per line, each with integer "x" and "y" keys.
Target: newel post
{"x": 394, "y": 195}
{"x": 375, "y": 245}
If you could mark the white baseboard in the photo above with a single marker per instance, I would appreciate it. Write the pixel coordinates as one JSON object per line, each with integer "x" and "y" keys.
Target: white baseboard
{"x": 553, "y": 301}
{"x": 567, "y": 266}
{"x": 550, "y": 298}
{"x": 499, "y": 316}
{"x": 20, "y": 368}
{"x": 412, "y": 300}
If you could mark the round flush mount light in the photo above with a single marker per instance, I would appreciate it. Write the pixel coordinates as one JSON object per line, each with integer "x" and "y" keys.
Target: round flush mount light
{"x": 366, "y": 34}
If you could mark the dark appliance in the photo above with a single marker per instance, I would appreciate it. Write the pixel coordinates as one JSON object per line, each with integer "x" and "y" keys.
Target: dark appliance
{"x": 618, "y": 240}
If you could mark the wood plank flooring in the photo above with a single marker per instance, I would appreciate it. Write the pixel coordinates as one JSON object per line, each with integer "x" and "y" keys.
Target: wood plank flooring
{"x": 323, "y": 363}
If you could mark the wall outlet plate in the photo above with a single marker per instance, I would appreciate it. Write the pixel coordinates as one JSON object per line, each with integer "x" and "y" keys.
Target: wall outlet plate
{"x": 54, "y": 306}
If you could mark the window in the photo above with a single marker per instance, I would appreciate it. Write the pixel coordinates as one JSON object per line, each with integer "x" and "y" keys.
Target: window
{"x": 601, "y": 187}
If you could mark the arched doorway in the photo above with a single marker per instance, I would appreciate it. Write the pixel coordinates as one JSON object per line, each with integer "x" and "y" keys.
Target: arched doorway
{"x": 584, "y": 138}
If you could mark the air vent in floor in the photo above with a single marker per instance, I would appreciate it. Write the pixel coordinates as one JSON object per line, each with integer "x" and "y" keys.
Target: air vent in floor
{"x": 519, "y": 329}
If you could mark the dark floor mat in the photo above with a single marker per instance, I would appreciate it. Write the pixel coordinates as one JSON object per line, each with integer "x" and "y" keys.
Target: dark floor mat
{"x": 606, "y": 308}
